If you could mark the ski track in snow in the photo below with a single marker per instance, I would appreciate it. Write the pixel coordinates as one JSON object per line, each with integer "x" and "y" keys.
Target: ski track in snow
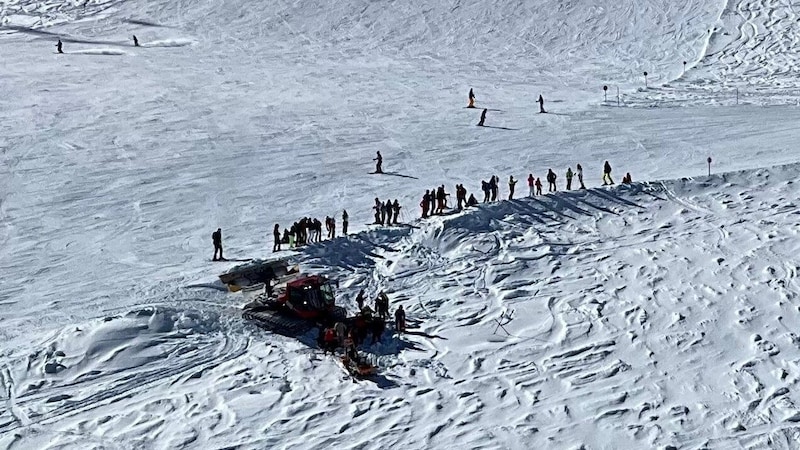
{"x": 644, "y": 316}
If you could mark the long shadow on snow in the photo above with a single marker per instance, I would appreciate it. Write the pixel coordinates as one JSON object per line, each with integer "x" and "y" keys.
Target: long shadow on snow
{"x": 354, "y": 251}
{"x": 63, "y": 37}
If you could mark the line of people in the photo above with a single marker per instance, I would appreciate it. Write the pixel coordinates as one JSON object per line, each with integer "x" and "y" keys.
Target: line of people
{"x": 435, "y": 201}
{"x": 386, "y": 213}
{"x": 306, "y": 231}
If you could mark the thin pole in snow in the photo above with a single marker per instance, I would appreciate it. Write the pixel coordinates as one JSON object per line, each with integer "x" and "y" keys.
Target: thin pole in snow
{"x": 709, "y": 165}
{"x": 737, "y": 95}
{"x": 645, "y": 80}
{"x": 684, "y": 68}
{"x": 605, "y": 93}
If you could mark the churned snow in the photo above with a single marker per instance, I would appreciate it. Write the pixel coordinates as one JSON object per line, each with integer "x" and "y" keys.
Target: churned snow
{"x": 654, "y": 315}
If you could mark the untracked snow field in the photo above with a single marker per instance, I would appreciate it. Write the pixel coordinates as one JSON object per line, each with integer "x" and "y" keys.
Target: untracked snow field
{"x": 654, "y": 315}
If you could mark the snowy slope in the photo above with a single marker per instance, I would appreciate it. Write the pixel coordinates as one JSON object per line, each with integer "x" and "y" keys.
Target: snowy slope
{"x": 644, "y": 316}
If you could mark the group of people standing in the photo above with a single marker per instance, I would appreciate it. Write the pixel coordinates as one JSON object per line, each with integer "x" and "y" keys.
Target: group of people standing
{"x": 307, "y": 230}
{"x": 386, "y": 213}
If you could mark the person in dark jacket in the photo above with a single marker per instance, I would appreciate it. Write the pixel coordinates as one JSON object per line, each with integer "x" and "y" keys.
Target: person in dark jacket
{"x": 607, "y": 174}
{"x": 378, "y": 163}
{"x": 59, "y": 46}
{"x": 485, "y": 189}
{"x": 425, "y": 204}
{"x": 396, "y": 210}
{"x": 216, "y": 238}
{"x": 377, "y": 209}
{"x": 471, "y": 99}
{"x": 551, "y": 179}
{"x": 538, "y": 186}
{"x": 360, "y": 300}
{"x": 493, "y": 186}
{"x": 345, "y": 222}
{"x": 432, "y": 199}
{"x": 511, "y": 183}
{"x": 541, "y": 104}
{"x": 135, "y": 41}
{"x": 483, "y": 118}
{"x": 472, "y": 201}
{"x": 569, "y": 178}
{"x": 400, "y": 319}
{"x": 276, "y": 235}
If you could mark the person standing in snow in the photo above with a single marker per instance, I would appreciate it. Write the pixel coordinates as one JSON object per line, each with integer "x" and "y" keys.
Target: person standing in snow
{"x": 135, "y": 41}
{"x": 216, "y": 238}
{"x": 551, "y": 179}
{"x": 485, "y": 189}
{"x": 276, "y": 236}
{"x": 607, "y": 174}
{"x": 471, "y": 99}
{"x": 531, "y": 182}
{"x": 580, "y": 176}
{"x": 511, "y": 183}
{"x": 400, "y": 319}
{"x": 333, "y": 228}
{"x": 377, "y": 209}
{"x": 345, "y": 222}
{"x": 569, "y": 178}
{"x": 396, "y": 209}
{"x": 483, "y": 117}
{"x": 425, "y": 203}
{"x": 59, "y": 46}
{"x": 541, "y": 104}
{"x": 493, "y": 187}
{"x": 379, "y": 163}
{"x": 360, "y": 300}
{"x": 538, "y": 186}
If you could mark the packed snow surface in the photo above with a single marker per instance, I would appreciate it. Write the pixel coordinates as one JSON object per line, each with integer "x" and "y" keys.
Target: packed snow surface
{"x": 662, "y": 313}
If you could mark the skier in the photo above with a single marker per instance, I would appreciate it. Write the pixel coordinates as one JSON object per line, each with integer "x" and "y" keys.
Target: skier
{"x": 471, "y": 99}
{"x": 472, "y": 200}
{"x": 276, "y": 235}
{"x": 538, "y": 186}
{"x": 483, "y": 117}
{"x": 400, "y": 319}
{"x": 425, "y": 203}
{"x": 485, "y": 189}
{"x": 396, "y": 209}
{"x": 541, "y": 104}
{"x": 580, "y": 175}
{"x": 551, "y": 179}
{"x": 607, "y": 174}
{"x": 461, "y": 196}
{"x": 569, "y": 178}
{"x": 328, "y": 226}
{"x": 377, "y": 209}
{"x": 135, "y": 41}
{"x": 58, "y": 46}
{"x": 511, "y": 183}
{"x": 216, "y": 238}
{"x": 493, "y": 186}
{"x": 379, "y": 163}
{"x": 384, "y": 213}
{"x": 531, "y": 183}
{"x": 345, "y": 222}
{"x": 360, "y": 300}
{"x": 382, "y": 305}
{"x": 333, "y": 228}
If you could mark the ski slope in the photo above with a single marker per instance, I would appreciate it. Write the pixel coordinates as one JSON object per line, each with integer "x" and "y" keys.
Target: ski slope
{"x": 646, "y": 316}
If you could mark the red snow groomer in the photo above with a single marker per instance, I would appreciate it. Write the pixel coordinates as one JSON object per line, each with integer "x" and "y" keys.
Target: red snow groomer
{"x": 284, "y": 300}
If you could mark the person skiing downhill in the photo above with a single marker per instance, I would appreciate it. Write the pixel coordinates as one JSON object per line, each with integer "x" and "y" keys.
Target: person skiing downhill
{"x": 531, "y": 183}
{"x": 471, "y": 99}
{"x": 541, "y": 104}
{"x": 580, "y": 175}
{"x": 607, "y": 174}
{"x": 59, "y": 46}
{"x": 216, "y": 238}
{"x": 483, "y": 118}
{"x": 511, "y": 183}
{"x": 551, "y": 180}
{"x": 379, "y": 163}
{"x": 135, "y": 41}
{"x": 569, "y": 178}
